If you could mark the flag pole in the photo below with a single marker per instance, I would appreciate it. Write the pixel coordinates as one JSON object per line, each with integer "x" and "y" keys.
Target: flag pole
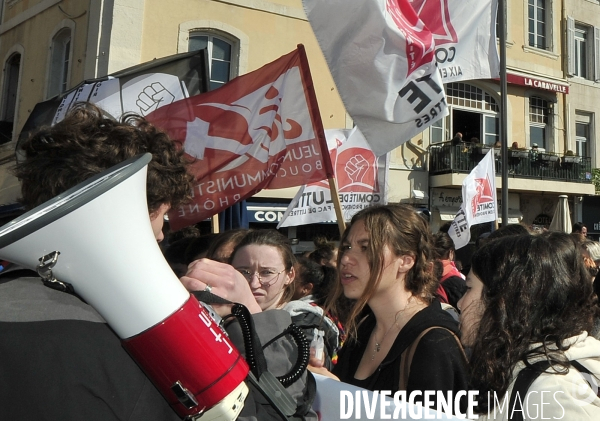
{"x": 320, "y": 133}
{"x": 337, "y": 205}
{"x": 214, "y": 224}
{"x": 503, "y": 110}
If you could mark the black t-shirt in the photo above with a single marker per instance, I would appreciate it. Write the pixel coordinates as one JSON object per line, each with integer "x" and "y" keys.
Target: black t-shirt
{"x": 438, "y": 362}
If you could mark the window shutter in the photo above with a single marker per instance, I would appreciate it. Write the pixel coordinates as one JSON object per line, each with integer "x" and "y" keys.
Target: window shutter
{"x": 596, "y": 54}
{"x": 570, "y": 46}
{"x": 549, "y": 25}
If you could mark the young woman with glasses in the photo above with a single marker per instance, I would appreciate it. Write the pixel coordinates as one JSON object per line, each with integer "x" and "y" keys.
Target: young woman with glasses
{"x": 265, "y": 258}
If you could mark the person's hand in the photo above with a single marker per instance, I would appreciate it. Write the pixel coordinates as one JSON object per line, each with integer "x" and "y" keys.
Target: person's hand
{"x": 224, "y": 280}
{"x": 323, "y": 372}
{"x": 315, "y": 362}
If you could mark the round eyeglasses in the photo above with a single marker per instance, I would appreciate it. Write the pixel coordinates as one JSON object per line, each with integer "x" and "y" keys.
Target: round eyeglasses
{"x": 266, "y": 277}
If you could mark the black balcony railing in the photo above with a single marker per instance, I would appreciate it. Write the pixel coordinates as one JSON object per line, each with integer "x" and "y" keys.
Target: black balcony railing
{"x": 446, "y": 158}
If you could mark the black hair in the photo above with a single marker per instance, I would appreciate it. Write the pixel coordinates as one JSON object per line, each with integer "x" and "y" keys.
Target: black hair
{"x": 537, "y": 293}
{"x": 322, "y": 277}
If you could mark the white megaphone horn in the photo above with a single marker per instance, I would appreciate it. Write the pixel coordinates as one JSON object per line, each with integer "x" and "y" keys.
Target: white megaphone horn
{"x": 97, "y": 237}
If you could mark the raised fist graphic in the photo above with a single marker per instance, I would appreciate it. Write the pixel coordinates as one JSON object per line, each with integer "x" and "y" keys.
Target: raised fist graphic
{"x": 356, "y": 168}
{"x": 153, "y": 97}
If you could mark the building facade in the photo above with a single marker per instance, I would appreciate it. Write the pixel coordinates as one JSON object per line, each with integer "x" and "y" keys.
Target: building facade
{"x": 553, "y": 64}
{"x": 553, "y": 81}
{"x": 581, "y": 21}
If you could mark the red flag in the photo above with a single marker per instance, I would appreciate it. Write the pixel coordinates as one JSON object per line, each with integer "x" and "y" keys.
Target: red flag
{"x": 261, "y": 130}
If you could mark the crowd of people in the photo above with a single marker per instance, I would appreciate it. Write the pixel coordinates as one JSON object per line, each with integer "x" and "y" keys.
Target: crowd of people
{"x": 389, "y": 309}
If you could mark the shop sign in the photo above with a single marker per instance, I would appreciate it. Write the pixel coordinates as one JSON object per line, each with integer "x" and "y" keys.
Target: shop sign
{"x": 537, "y": 83}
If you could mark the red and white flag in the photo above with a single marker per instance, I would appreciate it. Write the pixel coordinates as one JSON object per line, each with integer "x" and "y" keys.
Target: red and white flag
{"x": 479, "y": 201}
{"x": 382, "y": 58}
{"x": 464, "y": 32}
{"x": 361, "y": 179}
{"x": 260, "y": 130}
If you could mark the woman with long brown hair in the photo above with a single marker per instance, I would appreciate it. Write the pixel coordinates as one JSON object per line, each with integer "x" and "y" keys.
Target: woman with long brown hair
{"x": 399, "y": 338}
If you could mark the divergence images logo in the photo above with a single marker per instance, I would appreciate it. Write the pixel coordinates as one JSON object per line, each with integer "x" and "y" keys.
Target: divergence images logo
{"x": 483, "y": 196}
{"x": 436, "y": 16}
{"x": 586, "y": 391}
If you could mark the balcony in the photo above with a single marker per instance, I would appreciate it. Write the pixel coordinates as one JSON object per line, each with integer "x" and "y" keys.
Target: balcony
{"x": 445, "y": 158}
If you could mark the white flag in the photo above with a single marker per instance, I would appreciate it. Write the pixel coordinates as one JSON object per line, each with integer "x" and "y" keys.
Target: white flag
{"x": 464, "y": 32}
{"x": 360, "y": 175}
{"x": 382, "y": 58}
{"x": 479, "y": 201}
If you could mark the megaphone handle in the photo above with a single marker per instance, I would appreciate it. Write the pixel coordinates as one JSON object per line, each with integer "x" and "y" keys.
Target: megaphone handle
{"x": 44, "y": 269}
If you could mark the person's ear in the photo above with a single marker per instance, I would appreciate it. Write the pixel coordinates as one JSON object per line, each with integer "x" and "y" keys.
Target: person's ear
{"x": 162, "y": 209}
{"x": 405, "y": 263}
{"x": 291, "y": 274}
{"x": 308, "y": 288}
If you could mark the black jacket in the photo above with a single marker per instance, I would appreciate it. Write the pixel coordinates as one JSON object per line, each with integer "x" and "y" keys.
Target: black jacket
{"x": 438, "y": 363}
{"x": 61, "y": 361}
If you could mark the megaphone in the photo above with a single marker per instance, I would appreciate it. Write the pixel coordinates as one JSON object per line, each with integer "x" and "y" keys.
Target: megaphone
{"x": 97, "y": 237}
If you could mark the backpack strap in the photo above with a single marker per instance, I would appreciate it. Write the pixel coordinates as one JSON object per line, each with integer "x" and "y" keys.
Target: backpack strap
{"x": 581, "y": 368}
{"x": 525, "y": 379}
{"x": 407, "y": 355}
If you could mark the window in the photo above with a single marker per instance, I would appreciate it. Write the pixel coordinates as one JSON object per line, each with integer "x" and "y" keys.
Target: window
{"x": 580, "y": 51}
{"x": 538, "y": 24}
{"x": 60, "y": 61}
{"x": 220, "y": 56}
{"x": 474, "y": 113}
{"x": 9, "y": 100}
{"x": 437, "y": 131}
{"x": 582, "y": 136}
{"x": 583, "y": 50}
{"x": 491, "y": 128}
{"x": 539, "y": 112}
{"x": 583, "y": 133}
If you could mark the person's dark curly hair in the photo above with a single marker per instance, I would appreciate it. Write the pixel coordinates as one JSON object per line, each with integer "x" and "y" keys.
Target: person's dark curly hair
{"x": 537, "y": 293}
{"x": 322, "y": 278}
{"x": 443, "y": 245}
{"x": 400, "y": 227}
{"x": 324, "y": 251}
{"x": 88, "y": 142}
